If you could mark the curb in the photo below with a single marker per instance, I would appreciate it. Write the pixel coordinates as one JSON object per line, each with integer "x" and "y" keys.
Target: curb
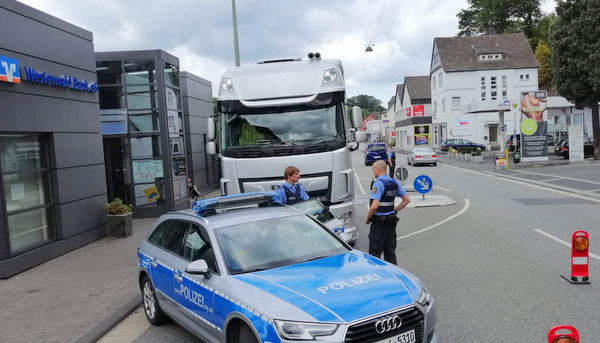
{"x": 104, "y": 327}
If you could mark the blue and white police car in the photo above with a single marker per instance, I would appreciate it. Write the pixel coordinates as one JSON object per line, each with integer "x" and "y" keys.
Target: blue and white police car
{"x": 244, "y": 269}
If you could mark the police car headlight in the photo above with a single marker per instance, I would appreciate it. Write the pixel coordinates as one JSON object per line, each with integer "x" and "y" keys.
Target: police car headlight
{"x": 298, "y": 330}
{"x": 424, "y": 298}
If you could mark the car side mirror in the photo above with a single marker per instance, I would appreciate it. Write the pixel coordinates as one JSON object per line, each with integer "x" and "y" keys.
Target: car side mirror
{"x": 198, "y": 267}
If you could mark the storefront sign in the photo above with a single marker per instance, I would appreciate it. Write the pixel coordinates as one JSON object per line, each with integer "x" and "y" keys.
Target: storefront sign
{"x": 9, "y": 70}
{"x": 65, "y": 81}
{"x": 422, "y": 134}
{"x": 408, "y": 112}
{"x": 419, "y": 111}
{"x": 534, "y": 126}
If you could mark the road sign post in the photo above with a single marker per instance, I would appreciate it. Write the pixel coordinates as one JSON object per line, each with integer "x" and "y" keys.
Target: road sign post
{"x": 423, "y": 184}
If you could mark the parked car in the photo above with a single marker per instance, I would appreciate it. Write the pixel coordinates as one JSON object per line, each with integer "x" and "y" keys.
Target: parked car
{"x": 562, "y": 148}
{"x": 242, "y": 268}
{"x": 422, "y": 156}
{"x": 375, "y": 152}
{"x": 457, "y": 143}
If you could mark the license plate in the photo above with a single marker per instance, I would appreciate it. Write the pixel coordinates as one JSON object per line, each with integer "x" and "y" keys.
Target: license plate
{"x": 376, "y": 156}
{"x": 405, "y": 337}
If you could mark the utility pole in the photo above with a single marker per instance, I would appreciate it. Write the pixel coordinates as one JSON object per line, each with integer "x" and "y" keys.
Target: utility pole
{"x": 236, "y": 47}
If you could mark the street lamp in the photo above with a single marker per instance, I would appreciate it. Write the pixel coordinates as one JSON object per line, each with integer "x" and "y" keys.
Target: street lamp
{"x": 369, "y": 48}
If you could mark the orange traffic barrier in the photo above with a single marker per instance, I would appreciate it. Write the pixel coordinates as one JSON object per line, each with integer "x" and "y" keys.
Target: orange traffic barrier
{"x": 563, "y": 334}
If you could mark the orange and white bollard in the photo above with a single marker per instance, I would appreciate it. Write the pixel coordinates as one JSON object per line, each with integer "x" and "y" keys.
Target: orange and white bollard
{"x": 563, "y": 334}
{"x": 580, "y": 260}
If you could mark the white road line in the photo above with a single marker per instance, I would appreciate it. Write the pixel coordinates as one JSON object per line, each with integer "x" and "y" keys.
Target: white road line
{"x": 525, "y": 183}
{"x": 465, "y": 208}
{"x": 444, "y": 189}
{"x": 362, "y": 190}
{"x": 554, "y": 176}
{"x": 562, "y": 242}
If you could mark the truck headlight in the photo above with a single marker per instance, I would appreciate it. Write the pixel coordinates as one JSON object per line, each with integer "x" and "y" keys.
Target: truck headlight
{"x": 346, "y": 218}
{"x": 227, "y": 84}
{"x": 329, "y": 76}
{"x": 299, "y": 330}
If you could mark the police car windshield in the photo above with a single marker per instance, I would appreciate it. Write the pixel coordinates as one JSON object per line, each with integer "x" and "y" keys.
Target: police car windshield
{"x": 275, "y": 242}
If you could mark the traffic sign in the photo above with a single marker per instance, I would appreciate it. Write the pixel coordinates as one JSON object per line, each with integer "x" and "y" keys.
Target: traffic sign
{"x": 401, "y": 173}
{"x": 423, "y": 184}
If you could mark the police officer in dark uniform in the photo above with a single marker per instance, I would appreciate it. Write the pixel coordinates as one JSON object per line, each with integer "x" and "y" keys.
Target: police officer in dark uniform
{"x": 291, "y": 191}
{"x": 382, "y": 213}
{"x": 391, "y": 161}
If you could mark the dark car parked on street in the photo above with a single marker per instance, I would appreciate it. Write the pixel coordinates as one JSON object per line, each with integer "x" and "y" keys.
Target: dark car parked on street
{"x": 562, "y": 148}
{"x": 457, "y": 143}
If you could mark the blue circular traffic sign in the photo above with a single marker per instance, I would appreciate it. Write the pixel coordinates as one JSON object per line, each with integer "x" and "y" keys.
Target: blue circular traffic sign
{"x": 423, "y": 184}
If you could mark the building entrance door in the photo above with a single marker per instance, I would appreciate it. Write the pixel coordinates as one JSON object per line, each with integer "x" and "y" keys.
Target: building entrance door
{"x": 116, "y": 157}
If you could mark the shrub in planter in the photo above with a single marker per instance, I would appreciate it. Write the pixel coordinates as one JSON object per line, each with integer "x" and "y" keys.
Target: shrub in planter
{"x": 476, "y": 156}
{"x": 119, "y": 218}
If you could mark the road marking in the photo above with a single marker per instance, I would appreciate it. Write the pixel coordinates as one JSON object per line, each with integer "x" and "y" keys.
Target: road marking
{"x": 554, "y": 176}
{"x": 362, "y": 190}
{"x": 465, "y": 208}
{"x": 563, "y": 242}
{"x": 530, "y": 184}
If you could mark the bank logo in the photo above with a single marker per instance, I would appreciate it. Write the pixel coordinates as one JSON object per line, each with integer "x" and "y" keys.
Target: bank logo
{"x": 9, "y": 70}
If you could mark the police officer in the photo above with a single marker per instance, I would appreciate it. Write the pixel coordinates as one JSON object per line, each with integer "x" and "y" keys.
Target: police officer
{"x": 382, "y": 213}
{"x": 391, "y": 161}
{"x": 291, "y": 191}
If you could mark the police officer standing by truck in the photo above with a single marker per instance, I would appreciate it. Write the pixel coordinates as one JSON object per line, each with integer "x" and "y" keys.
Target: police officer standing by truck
{"x": 382, "y": 213}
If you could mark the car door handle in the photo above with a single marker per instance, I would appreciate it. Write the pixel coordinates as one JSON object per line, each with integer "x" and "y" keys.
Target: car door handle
{"x": 178, "y": 277}
{"x": 154, "y": 264}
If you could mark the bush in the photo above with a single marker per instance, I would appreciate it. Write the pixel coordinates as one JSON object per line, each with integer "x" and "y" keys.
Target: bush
{"x": 118, "y": 207}
{"x": 476, "y": 153}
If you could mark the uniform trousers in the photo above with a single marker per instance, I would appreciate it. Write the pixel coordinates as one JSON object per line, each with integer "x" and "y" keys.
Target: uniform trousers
{"x": 392, "y": 169}
{"x": 382, "y": 239}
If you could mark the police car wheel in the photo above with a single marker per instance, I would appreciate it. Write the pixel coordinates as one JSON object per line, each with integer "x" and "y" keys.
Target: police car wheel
{"x": 151, "y": 308}
{"x": 246, "y": 335}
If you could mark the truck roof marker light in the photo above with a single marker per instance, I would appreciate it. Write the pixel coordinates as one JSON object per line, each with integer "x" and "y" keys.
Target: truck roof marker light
{"x": 580, "y": 241}
{"x": 227, "y": 84}
{"x": 316, "y": 56}
{"x": 329, "y": 76}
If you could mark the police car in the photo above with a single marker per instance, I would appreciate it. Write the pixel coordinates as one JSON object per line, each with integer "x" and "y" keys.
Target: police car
{"x": 244, "y": 269}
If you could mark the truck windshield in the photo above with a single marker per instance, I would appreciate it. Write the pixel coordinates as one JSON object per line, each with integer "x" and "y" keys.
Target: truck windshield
{"x": 294, "y": 129}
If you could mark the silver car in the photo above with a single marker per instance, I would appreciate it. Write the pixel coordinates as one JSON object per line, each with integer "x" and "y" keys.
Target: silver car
{"x": 241, "y": 268}
{"x": 422, "y": 156}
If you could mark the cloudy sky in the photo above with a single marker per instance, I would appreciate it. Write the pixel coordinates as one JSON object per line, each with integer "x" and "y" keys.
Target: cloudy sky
{"x": 200, "y": 33}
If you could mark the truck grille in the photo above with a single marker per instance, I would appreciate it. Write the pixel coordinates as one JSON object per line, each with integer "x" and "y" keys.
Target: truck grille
{"x": 365, "y": 331}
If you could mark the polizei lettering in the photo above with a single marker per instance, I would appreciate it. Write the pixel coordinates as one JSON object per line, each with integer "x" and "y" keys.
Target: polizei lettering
{"x": 336, "y": 286}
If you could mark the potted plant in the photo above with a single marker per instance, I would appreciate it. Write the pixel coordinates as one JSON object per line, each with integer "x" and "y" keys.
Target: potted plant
{"x": 119, "y": 218}
{"x": 476, "y": 156}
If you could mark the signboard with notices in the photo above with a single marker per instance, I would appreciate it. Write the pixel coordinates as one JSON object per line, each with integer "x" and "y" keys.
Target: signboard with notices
{"x": 147, "y": 170}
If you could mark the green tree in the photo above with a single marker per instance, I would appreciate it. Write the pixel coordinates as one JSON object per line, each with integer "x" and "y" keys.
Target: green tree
{"x": 575, "y": 40}
{"x": 367, "y": 103}
{"x": 502, "y": 16}
{"x": 543, "y": 54}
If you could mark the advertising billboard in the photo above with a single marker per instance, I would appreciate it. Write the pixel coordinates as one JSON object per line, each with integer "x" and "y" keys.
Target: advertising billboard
{"x": 534, "y": 126}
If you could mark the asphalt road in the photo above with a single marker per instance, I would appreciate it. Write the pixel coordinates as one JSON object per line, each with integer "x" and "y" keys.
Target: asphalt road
{"x": 493, "y": 261}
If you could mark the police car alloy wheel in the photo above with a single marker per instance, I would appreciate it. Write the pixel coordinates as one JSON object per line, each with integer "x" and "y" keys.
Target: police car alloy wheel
{"x": 153, "y": 312}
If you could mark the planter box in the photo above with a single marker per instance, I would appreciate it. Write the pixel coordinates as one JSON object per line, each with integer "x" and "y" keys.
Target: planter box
{"x": 478, "y": 159}
{"x": 119, "y": 225}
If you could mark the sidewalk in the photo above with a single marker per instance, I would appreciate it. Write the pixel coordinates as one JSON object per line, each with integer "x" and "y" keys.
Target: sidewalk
{"x": 77, "y": 297}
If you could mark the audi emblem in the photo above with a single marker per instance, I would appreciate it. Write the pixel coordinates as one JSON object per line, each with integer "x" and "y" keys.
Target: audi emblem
{"x": 388, "y": 324}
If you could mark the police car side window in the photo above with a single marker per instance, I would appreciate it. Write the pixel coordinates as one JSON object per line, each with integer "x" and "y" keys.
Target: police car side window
{"x": 169, "y": 235}
{"x": 197, "y": 246}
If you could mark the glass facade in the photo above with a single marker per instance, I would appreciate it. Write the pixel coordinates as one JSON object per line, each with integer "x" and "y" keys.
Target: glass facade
{"x": 157, "y": 174}
{"x": 27, "y": 191}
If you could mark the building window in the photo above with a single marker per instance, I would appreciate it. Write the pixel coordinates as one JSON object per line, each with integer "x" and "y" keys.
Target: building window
{"x": 455, "y": 102}
{"x": 434, "y": 83}
{"x": 483, "y": 90}
{"x": 443, "y": 105}
{"x": 493, "y": 88}
{"x": 435, "y": 107}
{"x": 490, "y": 57}
{"x": 524, "y": 77}
{"x": 27, "y": 191}
{"x": 504, "y": 87}
{"x": 440, "y": 80}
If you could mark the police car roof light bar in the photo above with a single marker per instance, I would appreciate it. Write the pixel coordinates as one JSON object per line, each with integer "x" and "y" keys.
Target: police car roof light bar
{"x": 232, "y": 201}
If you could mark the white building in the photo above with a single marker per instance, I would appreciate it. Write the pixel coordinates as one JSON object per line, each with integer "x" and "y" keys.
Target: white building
{"x": 412, "y": 113}
{"x": 474, "y": 83}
